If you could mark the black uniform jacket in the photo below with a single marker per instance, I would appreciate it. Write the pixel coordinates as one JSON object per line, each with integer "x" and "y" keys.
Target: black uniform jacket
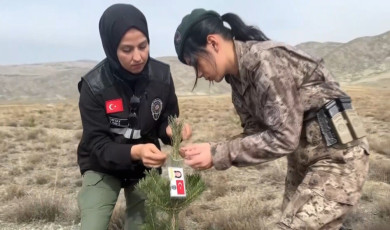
{"x": 105, "y": 107}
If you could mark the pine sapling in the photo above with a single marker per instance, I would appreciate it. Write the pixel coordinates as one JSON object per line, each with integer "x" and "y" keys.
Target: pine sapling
{"x": 162, "y": 208}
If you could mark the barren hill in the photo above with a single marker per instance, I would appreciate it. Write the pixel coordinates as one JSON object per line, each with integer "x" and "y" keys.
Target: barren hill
{"x": 362, "y": 60}
{"x": 58, "y": 81}
{"x": 42, "y": 82}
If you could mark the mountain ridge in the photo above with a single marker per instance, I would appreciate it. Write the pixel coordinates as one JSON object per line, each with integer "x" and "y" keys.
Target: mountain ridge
{"x": 364, "y": 60}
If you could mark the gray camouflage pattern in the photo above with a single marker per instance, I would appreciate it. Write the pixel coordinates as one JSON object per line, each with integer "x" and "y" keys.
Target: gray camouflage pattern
{"x": 277, "y": 84}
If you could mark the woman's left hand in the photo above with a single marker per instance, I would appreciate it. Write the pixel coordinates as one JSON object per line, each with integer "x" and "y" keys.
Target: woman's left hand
{"x": 197, "y": 156}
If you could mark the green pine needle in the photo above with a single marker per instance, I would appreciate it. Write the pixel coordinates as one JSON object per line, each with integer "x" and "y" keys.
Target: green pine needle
{"x": 176, "y": 126}
{"x": 159, "y": 202}
{"x": 162, "y": 210}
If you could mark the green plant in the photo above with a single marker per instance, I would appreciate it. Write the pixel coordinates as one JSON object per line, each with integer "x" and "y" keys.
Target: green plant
{"x": 162, "y": 209}
{"x": 176, "y": 126}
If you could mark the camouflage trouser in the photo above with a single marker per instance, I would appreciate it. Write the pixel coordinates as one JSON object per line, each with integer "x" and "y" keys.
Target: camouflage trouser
{"x": 322, "y": 183}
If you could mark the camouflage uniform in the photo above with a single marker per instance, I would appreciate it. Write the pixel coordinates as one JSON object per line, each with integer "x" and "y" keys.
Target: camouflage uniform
{"x": 276, "y": 87}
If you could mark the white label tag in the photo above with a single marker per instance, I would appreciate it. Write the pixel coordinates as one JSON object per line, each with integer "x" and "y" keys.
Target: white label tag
{"x": 176, "y": 176}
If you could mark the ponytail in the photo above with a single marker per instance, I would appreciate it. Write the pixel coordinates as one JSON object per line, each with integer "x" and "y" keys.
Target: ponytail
{"x": 196, "y": 39}
{"x": 242, "y": 32}
{"x": 195, "y": 43}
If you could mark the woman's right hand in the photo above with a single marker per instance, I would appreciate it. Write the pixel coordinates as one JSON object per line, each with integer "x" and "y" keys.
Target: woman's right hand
{"x": 197, "y": 156}
{"x": 149, "y": 154}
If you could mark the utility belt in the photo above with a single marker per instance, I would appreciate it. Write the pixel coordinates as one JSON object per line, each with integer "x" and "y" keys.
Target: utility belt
{"x": 339, "y": 123}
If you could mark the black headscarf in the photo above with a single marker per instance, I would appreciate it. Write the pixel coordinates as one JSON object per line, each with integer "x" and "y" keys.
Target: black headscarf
{"x": 114, "y": 23}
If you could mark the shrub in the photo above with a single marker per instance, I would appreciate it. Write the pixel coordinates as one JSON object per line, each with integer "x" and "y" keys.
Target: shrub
{"x": 34, "y": 159}
{"x": 380, "y": 143}
{"x": 53, "y": 142}
{"x": 42, "y": 179}
{"x": 14, "y": 191}
{"x": 43, "y": 208}
{"x": 29, "y": 122}
{"x": 35, "y": 133}
{"x": 383, "y": 208}
{"x": 379, "y": 170}
{"x": 249, "y": 215}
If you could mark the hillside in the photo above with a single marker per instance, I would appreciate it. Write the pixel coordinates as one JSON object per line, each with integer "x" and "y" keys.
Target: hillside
{"x": 364, "y": 60}
{"x": 184, "y": 78}
{"x": 42, "y": 82}
{"x": 58, "y": 81}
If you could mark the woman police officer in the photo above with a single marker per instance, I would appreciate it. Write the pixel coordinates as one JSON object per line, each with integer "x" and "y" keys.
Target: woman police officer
{"x": 124, "y": 104}
{"x": 277, "y": 91}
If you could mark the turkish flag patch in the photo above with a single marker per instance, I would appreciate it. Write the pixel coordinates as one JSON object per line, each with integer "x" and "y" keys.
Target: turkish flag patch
{"x": 180, "y": 187}
{"x": 114, "y": 106}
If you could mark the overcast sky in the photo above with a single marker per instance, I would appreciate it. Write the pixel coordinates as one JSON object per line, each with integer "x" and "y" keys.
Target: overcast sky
{"x": 36, "y": 31}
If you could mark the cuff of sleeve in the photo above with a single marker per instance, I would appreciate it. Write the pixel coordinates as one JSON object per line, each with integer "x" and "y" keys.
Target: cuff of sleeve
{"x": 163, "y": 134}
{"x": 220, "y": 155}
{"x": 131, "y": 158}
{"x": 118, "y": 161}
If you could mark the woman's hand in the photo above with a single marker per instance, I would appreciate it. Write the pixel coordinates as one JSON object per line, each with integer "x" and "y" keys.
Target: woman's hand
{"x": 186, "y": 131}
{"x": 197, "y": 156}
{"x": 149, "y": 154}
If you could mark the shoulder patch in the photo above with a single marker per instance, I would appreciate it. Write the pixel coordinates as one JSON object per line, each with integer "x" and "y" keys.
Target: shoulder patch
{"x": 114, "y": 106}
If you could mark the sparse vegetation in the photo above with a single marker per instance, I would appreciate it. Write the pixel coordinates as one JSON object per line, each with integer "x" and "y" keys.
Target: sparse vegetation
{"x": 380, "y": 170}
{"x": 29, "y": 122}
{"x": 14, "y": 191}
{"x": 238, "y": 198}
{"x": 34, "y": 159}
{"x": 380, "y": 143}
{"x": 35, "y": 133}
{"x": 41, "y": 208}
{"x": 383, "y": 208}
{"x": 42, "y": 179}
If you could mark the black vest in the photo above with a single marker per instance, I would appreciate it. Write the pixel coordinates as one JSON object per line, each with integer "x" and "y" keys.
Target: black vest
{"x": 114, "y": 94}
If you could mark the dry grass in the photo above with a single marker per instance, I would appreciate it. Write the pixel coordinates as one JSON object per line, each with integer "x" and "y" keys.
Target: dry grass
{"x": 383, "y": 208}
{"x": 13, "y": 191}
{"x": 380, "y": 143}
{"x": 36, "y": 133}
{"x": 42, "y": 208}
{"x": 373, "y": 210}
{"x": 35, "y": 159}
{"x": 275, "y": 171}
{"x": 371, "y": 102}
{"x": 29, "y": 122}
{"x": 42, "y": 179}
{"x": 248, "y": 214}
{"x": 38, "y": 151}
{"x": 380, "y": 170}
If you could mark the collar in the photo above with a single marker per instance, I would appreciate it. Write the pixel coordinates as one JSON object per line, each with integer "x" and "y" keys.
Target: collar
{"x": 241, "y": 49}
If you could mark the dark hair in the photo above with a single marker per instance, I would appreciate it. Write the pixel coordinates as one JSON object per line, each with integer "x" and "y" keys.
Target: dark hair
{"x": 195, "y": 44}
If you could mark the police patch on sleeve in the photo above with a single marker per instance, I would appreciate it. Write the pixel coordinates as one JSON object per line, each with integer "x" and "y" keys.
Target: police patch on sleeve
{"x": 156, "y": 108}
